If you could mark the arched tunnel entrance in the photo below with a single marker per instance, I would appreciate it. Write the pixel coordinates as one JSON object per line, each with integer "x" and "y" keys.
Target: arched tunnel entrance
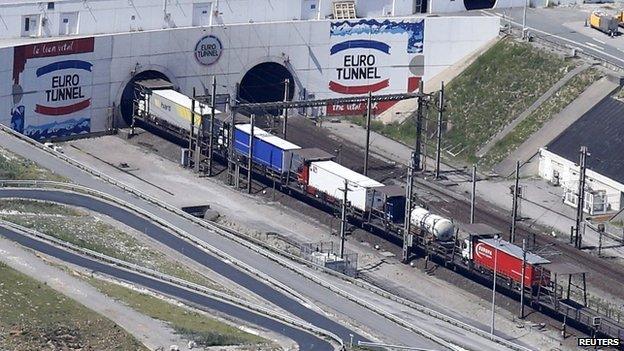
{"x": 125, "y": 105}
{"x": 479, "y": 4}
{"x": 265, "y": 83}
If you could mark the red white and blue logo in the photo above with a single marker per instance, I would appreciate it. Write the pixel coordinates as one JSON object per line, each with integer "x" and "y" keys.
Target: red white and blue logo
{"x": 358, "y": 66}
{"x": 65, "y": 88}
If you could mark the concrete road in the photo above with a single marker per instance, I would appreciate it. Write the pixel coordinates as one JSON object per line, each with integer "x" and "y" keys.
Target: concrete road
{"x": 306, "y": 341}
{"x": 344, "y": 309}
{"x": 156, "y": 232}
{"x": 565, "y": 26}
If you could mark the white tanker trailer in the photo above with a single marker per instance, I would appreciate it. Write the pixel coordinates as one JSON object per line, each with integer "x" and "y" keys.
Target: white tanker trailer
{"x": 441, "y": 228}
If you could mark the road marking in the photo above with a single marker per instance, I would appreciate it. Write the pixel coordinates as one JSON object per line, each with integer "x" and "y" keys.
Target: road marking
{"x": 600, "y": 41}
{"x": 560, "y": 38}
{"x": 594, "y": 46}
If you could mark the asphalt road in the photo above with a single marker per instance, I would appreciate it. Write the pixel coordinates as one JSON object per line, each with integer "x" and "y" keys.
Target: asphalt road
{"x": 217, "y": 265}
{"x": 367, "y": 320}
{"x": 305, "y": 340}
{"x": 565, "y": 26}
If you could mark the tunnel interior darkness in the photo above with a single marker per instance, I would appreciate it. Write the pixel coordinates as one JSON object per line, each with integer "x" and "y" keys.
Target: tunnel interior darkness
{"x": 265, "y": 83}
{"x": 479, "y": 4}
{"x": 125, "y": 105}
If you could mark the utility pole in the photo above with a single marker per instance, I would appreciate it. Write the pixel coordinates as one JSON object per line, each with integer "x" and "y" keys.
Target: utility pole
{"x": 369, "y": 104}
{"x": 522, "y": 279}
{"x": 524, "y": 17}
{"x": 192, "y": 129}
{"x": 439, "y": 134}
{"x": 419, "y": 118}
{"x": 474, "y": 193}
{"x": 494, "y": 287}
{"x": 285, "y": 111}
{"x": 231, "y": 153}
{"x": 213, "y": 102}
{"x": 343, "y": 217}
{"x": 200, "y": 136}
{"x": 581, "y": 196}
{"x": 514, "y": 210}
{"x": 407, "y": 237}
{"x": 250, "y": 155}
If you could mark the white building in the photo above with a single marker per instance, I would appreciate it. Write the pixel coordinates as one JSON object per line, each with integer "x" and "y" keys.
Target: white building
{"x": 601, "y": 130}
{"x": 72, "y": 64}
{"x": 35, "y": 18}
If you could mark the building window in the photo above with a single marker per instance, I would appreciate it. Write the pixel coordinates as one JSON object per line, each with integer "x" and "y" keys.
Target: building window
{"x": 202, "y": 14}
{"x": 30, "y": 25}
{"x": 50, "y": 6}
{"x": 68, "y": 23}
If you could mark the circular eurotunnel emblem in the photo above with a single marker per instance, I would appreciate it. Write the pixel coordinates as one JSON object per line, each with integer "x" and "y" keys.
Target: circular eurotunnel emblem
{"x": 208, "y": 50}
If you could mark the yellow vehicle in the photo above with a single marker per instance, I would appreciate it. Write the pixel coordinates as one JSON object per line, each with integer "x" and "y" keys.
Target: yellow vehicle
{"x": 620, "y": 18}
{"x": 604, "y": 22}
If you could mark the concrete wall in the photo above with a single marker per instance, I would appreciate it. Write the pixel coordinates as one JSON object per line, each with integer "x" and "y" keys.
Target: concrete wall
{"x": 569, "y": 175}
{"x": 399, "y": 54}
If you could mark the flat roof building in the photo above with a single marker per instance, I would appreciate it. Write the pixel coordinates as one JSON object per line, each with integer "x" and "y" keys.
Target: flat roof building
{"x": 601, "y": 129}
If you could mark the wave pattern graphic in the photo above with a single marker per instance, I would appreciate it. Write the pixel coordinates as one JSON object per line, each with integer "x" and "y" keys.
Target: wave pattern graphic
{"x": 415, "y": 30}
{"x": 59, "y": 129}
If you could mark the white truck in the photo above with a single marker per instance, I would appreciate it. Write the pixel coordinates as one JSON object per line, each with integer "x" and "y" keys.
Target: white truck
{"x": 329, "y": 177}
{"x": 173, "y": 108}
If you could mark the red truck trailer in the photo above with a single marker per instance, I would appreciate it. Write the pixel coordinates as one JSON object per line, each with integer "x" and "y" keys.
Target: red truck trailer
{"x": 507, "y": 258}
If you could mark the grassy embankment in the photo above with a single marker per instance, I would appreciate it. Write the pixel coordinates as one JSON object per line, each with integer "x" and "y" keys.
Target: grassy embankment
{"x": 562, "y": 98}
{"x": 82, "y": 229}
{"x": 191, "y": 324}
{"x": 488, "y": 95}
{"x": 36, "y": 317}
{"x": 13, "y": 167}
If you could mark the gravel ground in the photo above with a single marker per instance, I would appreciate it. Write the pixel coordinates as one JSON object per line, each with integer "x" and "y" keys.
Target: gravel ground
{"x": 150, "y": 332}
{"x": 151, "y": 160}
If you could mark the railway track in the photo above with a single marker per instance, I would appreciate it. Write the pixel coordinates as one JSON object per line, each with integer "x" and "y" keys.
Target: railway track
{"x": 602, "y": 274}
{"x": 607, "y": 276}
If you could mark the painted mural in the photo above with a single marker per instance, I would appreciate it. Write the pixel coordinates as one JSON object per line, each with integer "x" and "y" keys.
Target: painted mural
{"x": 365, "y": 54}
{"x": 52, "y": 85}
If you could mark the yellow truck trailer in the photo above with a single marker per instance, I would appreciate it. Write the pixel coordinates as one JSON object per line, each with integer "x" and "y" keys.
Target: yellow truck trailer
{"x": 604, "y": 22}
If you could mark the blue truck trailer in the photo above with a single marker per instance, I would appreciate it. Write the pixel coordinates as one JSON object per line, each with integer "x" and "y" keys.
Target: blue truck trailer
{"x": 268, "y": 150}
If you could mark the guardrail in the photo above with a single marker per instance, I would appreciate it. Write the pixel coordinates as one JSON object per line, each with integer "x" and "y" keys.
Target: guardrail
{"x": 559, "y": 43}
{"x": 217, "y": 295}
{"x": 265, "y": 250}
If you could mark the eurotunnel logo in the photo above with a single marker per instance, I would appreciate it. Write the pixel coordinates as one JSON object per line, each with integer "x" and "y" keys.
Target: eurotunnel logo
{"x": 208, "y": 50}
{"x": 483, "y": 251}
{"x": 65, "y": 88}
{"x": 359, "y": 67}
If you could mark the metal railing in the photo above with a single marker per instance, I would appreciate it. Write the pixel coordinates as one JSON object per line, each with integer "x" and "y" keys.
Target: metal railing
{"x": 274, "y": 254}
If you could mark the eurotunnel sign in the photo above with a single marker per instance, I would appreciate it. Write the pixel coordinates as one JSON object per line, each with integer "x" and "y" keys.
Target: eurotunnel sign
{"x": 208, "y": 50}
{"x": 370, "y": 56}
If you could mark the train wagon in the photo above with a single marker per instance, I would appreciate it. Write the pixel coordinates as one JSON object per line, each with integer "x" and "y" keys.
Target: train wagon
{"x": 506, "y": 258}
{"x": 269, "y": 151}
{"x": 604, "y": 22}
{"x": 441, "y": 228}
{"x": 328, "y": 177}
{"x": 173, "y": 108}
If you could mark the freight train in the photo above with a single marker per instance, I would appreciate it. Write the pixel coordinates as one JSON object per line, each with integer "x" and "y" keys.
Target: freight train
{"x": 316, "y": 175}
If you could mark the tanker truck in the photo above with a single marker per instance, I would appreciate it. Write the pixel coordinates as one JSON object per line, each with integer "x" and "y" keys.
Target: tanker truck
{"x": 441, "y": 228}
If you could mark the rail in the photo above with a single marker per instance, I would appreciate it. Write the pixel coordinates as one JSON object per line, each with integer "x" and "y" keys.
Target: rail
{"x": 217, "y": 295}
{"x": 269, "y": 252}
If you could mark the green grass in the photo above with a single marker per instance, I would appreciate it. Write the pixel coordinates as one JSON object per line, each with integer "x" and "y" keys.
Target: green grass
{"x": 32, "y": 313}
{"x": 84, "y": 230}
{"x": 489, "y": 94}
{"x": 562, "y": 98}
{"x": 195, "y": 326}
{"x": 13, "y": 167}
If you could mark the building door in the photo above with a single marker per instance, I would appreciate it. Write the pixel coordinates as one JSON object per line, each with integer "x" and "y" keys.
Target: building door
{"x": 202, "y": 14}
{"x": 309, "y": 9}
{"x": 68, "y": 23}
